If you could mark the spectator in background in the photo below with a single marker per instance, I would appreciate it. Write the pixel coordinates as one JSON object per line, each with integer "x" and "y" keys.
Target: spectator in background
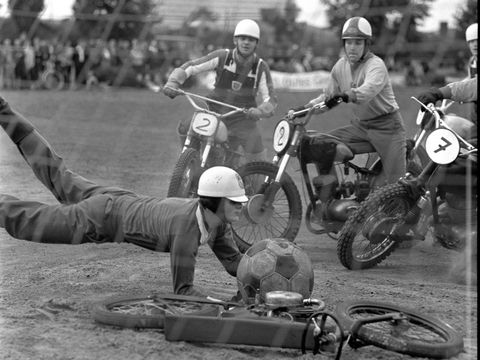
{"x": 79, "y": 59}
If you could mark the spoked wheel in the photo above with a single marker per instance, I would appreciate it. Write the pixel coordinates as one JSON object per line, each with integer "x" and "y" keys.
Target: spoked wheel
{"x": 148, "y": 311}
{"x": 408, "y": 333}
{"x": 187, "y": 171}
{"x": 281, "y": 219}
{"x": 53, "y": 80}
{"x": 375, "y": 229}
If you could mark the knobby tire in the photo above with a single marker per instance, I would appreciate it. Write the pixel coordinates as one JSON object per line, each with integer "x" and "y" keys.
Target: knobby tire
{"x": 186, "y": 168}
{"x": 246, "y": 233}
{"x": 354, "y": 225}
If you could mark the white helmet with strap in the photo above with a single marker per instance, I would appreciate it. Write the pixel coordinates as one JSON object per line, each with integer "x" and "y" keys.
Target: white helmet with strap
{"x": 221, "y": 181}
{"x": 471, "y": 33}
{"x": 357, "y": 28}
{"x": 247, "y": 27}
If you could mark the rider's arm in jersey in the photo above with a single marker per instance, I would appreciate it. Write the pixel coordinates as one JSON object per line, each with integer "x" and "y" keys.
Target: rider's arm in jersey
{"x": 464, "y": 90}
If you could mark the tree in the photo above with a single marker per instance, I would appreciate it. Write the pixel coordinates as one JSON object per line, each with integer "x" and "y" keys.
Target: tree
{"x": 118, "y": 19}
{"x": 392, "y": 21}
{"x": 25, "y": 13}
{"x": 466, "y": 16}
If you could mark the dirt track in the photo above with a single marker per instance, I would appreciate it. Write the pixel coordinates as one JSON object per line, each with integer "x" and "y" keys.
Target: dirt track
{"x": 127, "y": 139}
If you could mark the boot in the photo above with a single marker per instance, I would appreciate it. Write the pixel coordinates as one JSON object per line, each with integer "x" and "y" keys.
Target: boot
{"x": 15, "y": 125}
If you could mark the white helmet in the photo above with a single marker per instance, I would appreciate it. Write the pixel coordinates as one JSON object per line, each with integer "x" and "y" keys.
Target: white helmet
{"x": 221, "y": 181}
{"x": 472, "y": 32}
{"x": 357, "y": 28}
{"x": 247, "y": 27}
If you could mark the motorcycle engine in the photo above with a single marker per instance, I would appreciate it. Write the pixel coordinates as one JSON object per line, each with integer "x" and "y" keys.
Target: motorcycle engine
{"x": 340, "y": 209}
{"x": 325, "y": 186}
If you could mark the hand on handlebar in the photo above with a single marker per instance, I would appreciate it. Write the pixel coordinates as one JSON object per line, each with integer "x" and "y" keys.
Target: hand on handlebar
{"x": 430, "y": 96}
{"x": 336, "y": 99}
{"x": 171, "y": 90}
{"x": 253, "y": 113}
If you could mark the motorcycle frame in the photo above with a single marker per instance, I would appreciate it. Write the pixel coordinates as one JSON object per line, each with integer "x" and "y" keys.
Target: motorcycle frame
{"x": 282, "y": 160}
{"x": 208, "y": 140}
{"x": 417, "y": 186}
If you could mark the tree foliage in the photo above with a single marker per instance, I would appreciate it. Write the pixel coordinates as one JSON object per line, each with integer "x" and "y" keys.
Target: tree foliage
{"x": 118, "y": 19}
{"x": 25, "y": 12}
{"x": 389, "y": 18}
{"x": 465, "y": 16}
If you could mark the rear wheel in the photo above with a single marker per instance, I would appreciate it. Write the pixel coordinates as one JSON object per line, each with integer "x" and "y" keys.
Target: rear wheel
{"x": 187, "y": 171}
{"x": 410, "y": 333}
{"x": 374, "y": 230}
{"x": 282, "y": 219}
{"x": 148, "y": 311}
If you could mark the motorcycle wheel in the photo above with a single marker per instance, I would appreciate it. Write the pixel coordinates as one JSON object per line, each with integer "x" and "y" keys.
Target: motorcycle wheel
{"x": 282, "y": 221}
{"x": 148, "y": 311}
{"x": 415, "y": 335}
{"x": 366, "y": 238}
{"x": 184, "y": 180}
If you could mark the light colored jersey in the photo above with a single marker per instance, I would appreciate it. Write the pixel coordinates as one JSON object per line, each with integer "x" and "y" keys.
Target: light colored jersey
{"x": 464, "y": 91}
{"x": 368, "y": 82}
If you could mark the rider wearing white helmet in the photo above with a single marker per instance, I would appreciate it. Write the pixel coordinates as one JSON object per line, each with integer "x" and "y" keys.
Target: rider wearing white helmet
{"x": 471, "y": 37}
{"x": 88, "y": 212}
{"x": 361, "y": 79}
{"x": 242, "y": 79}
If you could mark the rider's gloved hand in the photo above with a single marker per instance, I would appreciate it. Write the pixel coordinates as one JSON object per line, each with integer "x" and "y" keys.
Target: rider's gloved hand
{"x": 295, "y": 109}
{"x": 170, "y": 89}
{"x": 430, "y": 96}
{"x": 336, "y": 99}
{"x": 254, "y": 113}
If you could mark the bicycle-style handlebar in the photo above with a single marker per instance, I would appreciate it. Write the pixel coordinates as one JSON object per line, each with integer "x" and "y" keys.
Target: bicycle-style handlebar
{"x": 190, "y": 97}
{"x": 439, "y": 122}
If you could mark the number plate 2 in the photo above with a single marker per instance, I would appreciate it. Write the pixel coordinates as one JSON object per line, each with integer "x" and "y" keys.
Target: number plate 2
{"x": 204, "y": 124}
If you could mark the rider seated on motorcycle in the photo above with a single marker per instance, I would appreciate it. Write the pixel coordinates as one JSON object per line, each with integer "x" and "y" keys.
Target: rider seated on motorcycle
{"x": 361, "y": 79}
{"x": 241, "y": 77}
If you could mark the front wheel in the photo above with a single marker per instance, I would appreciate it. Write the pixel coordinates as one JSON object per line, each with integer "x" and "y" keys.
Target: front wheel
{"x": 280, "y": 220}
{"x": 409, "y": 333}
{"x": 187, "y": 171}
{"x": 374, "y": 230}
{"x": 148, "y": 311}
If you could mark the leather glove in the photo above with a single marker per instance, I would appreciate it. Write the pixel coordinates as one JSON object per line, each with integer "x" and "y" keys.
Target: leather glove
{"x": 334, "y": 100}
{"x": 170, "y": 90}
{"x": 430, "y": 96}
{"x": 254, "y": 113}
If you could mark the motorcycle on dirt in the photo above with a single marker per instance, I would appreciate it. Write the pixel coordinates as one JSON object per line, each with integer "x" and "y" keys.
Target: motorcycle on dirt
{"x": 274, "y": 208}
{"x": 206, "y": 145}
{"x": 442, "y": 198}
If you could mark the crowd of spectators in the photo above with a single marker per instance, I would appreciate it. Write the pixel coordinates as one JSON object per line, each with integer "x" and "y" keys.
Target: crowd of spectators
{"x": 84, "y": 63}
{"x": 100, "y": 63}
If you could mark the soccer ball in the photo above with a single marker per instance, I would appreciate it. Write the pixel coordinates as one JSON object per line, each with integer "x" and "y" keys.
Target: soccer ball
{"x": 272, "y": 265}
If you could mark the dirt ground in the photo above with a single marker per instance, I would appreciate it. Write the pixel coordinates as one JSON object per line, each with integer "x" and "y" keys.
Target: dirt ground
{"x": 127, "y": 138}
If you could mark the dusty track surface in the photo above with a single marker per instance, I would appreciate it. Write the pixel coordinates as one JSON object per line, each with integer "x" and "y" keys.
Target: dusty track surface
{"x": 128, "y": 139}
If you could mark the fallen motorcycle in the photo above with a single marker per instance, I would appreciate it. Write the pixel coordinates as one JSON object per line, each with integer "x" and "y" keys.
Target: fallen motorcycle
{"x": 442, "y": 198}
{"x": 285, "y": 320}
{"x": 206, "y": 145}
{"x": 275, "y": 206}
